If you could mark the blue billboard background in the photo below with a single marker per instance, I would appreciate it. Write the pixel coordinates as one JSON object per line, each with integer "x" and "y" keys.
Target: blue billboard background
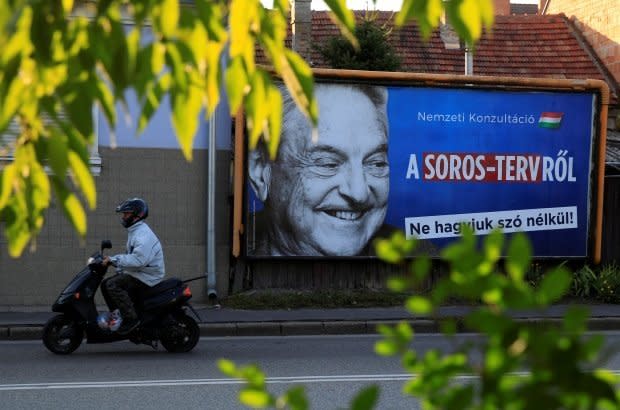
{"x": 492, "y": 123}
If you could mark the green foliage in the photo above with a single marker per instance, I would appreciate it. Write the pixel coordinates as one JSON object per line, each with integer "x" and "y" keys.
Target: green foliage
{"x": 58, "y": 59}
{"x": 558, "y": 360}
{"x": 584, "y": 283}
{"x": 608, "y": 284}
{"x": 373, "y": 54}
{"x": 516, "y": 364}
{"x": 468, "y": 17}
{"x": 254, "y": 393}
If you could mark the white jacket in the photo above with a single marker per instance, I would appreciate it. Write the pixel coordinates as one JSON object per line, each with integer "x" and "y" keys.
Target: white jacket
{"x": 144, "y": 259}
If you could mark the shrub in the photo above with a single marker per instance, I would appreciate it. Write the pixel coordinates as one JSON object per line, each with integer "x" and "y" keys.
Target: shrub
{"x": 375, "y": 52}
{"x": 583, "y": 284}
{"x": 608, "y": 283}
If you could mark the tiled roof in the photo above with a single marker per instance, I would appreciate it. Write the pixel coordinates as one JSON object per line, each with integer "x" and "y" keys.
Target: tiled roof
{"x": 517, "y": 46}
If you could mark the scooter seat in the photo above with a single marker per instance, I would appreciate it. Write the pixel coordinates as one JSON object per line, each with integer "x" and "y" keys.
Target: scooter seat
{"x": 169, "y": 291}
{"x": 162, "y": 286}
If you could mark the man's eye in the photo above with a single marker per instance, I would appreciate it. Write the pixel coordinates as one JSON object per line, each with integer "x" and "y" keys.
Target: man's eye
{"x": 326, "y": 163}
{"x": 377, "y": 166}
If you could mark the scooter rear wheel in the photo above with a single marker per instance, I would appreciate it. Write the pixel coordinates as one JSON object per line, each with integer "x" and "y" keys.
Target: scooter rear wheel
{"x": 182, "y": 336}
{"x": 62, "y": 335}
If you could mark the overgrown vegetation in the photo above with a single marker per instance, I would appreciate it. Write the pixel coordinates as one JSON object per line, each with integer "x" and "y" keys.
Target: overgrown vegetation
{"x": 374, "y": 53}
{"x": 599, "y": 284}
{"x": 324, "y": 299}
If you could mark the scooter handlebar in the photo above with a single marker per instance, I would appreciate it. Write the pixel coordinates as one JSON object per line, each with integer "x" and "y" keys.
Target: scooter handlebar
{"x": 95, "y": 262}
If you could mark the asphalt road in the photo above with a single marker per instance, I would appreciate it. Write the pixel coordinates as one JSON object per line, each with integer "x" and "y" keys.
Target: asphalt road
{"x": 122, "y": 375}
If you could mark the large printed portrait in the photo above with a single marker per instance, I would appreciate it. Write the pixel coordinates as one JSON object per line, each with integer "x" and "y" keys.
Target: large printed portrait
{"x": 424, "y": 160}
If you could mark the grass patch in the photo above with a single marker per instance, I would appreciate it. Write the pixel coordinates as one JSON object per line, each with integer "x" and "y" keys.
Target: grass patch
{"x": 320, "y": 299}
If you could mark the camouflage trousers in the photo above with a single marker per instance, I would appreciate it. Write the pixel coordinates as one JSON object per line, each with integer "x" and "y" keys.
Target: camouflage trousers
{"x": 118, "y": 291}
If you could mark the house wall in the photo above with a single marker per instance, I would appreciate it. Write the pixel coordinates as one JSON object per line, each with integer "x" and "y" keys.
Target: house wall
{"x": 599, "y": 20}
{"x": 176, "y": 192}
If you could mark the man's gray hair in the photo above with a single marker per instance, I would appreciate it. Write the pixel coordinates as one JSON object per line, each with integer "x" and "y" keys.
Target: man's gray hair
{"x": 376, "y": 94}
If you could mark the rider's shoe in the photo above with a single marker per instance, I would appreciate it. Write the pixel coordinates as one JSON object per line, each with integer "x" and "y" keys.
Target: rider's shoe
{"x": 128, "y": 326}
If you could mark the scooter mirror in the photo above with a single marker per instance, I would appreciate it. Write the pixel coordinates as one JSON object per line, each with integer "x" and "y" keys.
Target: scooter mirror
{"x": 106, "y": 244}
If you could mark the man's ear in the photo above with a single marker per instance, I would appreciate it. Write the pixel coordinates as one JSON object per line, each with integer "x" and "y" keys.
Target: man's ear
{"x": 259, "y": 170}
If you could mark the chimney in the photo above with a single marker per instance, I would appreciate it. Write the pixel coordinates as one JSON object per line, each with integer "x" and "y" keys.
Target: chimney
{"x": 502, "y": 7}
{"x": 301, "y": 25}
{"x": 451, "y": 40}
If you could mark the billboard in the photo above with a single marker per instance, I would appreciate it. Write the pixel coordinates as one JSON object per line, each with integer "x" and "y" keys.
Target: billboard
{"x": 423, "y": 160}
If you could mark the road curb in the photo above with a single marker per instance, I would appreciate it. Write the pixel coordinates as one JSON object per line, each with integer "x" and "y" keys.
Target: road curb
{"x": 24, "y": 332}
{"x": 301, "y": 328}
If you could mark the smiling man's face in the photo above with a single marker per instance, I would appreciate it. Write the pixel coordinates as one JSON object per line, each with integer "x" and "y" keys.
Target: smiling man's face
{"x": 330, "y": 197}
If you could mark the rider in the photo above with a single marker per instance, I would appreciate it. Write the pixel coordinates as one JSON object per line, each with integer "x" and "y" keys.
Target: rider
{"x": 138, "y": 269}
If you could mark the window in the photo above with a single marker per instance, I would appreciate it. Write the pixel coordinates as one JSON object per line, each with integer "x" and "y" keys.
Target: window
{"x": 7, "y": 142}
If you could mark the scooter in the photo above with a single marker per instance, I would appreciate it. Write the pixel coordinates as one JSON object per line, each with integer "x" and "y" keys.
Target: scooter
{"x": 162, "y": 310}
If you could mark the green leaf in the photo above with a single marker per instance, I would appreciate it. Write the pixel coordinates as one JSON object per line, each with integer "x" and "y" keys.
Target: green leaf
{"x": 9, "y": 174}
{"x": 186, "y": 107}
{"x": 57, "y": 152}
{"x": 12, "y": 99}
{"x": 344, "y": 19}
{"x": 105, "y": 97}
{"x": 158, "y": 58}
{"x": 296, "y": 398}
{"x": 257, "y": 110}
{"x": 244, "y": 15}
{"x": 71, "y": 206}
{"x": 576, "y": 319}
{"x": 152, "y": 100}
{"x": 366, "y": 399}
{"x": 426, "y": 12}
{"x": 175, "y": 60}
{"x": 468, "y": 17}
{"x": 493, "y": 244}
{"x": 17, "y": 231}
{"x": 419, "y": 304}
{"x": 255, "y": 398}
{"x": 297, "y": 76}
{"x": 386, "y": 348}
{"x": 78, "y": 106}
{"x": 420, "y": 267}
{"x": 553, "y": 286}
{"x": 84, "y": 179}
{"x": 236, "y": 84}
{"x": 387, "y": 252}
{"x": 168, "y": 17}
{"x": 274, "y": 120}
{"x": 519, "y": 257}
{"x": 67, "y": 5}
{"x": 227, "y": 367}
{"x": 397, "y": 284}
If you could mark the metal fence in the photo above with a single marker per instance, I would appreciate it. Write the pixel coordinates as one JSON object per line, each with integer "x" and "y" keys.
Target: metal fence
{"x": 611, "y": 220}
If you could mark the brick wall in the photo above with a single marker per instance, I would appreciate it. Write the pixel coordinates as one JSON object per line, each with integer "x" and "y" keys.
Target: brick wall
{"x": 599, "y": 20}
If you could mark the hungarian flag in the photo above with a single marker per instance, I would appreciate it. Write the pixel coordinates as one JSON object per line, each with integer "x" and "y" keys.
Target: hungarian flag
{"x": 550, "y": 119}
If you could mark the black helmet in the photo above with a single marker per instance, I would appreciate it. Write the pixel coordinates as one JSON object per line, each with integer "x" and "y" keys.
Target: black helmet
{"x": 138, "y": 208}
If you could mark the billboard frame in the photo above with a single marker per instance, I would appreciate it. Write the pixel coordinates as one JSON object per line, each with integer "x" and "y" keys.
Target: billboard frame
{"x": 598, "y": 87}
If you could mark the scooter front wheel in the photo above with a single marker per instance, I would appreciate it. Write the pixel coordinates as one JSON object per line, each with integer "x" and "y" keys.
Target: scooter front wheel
{"x": 62, "y": 334}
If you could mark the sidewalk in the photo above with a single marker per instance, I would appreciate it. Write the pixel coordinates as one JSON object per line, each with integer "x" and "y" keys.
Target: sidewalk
{"x": 26, "y": 323}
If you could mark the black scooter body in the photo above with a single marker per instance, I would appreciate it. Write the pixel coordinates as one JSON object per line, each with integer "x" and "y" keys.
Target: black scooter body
{"x": 161, "y": 310}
